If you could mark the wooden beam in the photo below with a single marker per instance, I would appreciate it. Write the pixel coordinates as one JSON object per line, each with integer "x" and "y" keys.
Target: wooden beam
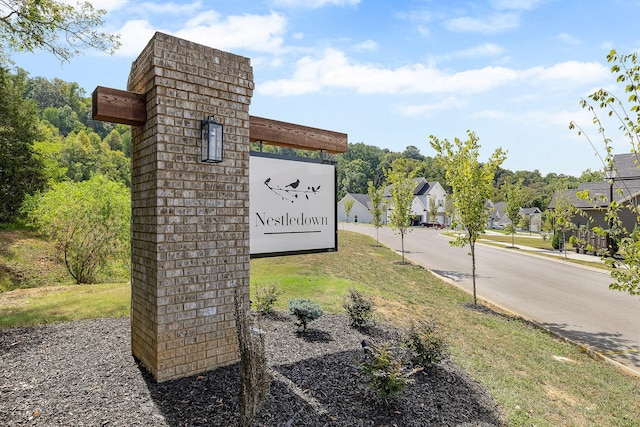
{"x": 273, "y": 132}
{"x": 129, "y": 108}
{"x": 118, "y": 106}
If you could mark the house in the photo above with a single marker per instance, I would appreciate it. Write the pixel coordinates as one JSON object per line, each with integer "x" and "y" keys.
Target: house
{"x": 535, "y": 218}
{"x": 427, "y": 196}
{"x": 361, "y": 210}
{"x": 624, "y": 189}
{"x": 498, "y": 218}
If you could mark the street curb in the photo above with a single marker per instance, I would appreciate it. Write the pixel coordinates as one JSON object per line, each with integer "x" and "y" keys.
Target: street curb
{"x": 594, "y": 354}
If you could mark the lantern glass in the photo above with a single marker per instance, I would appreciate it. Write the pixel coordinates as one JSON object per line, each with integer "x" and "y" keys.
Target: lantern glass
{"x": 212, "y": 133}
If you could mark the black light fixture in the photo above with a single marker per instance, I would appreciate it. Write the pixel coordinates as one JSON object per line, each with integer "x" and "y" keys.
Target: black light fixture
{"x": 211, "y": 139}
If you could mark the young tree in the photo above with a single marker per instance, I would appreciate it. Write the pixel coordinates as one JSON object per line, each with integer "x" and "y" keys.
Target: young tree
{"x": 562, "y": 216}
{"x": 402, "y": 187}
{"x": 88, "y": 221}
{"x": 433, "y": 209}
{"x": 348, "y": 205}
{"x": 54, "y": 26}
{"x": 626, "y": 68}
{"x": 514, "y": 199}
{"x": 376, "y": 207}
{"x": 471, "y": 184}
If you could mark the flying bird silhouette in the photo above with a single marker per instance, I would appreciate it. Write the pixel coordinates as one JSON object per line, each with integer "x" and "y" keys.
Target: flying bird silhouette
{"x": 294, "y": 184}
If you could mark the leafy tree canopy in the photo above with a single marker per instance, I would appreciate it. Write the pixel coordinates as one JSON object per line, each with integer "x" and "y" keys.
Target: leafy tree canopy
{"x": 54, "y": 26}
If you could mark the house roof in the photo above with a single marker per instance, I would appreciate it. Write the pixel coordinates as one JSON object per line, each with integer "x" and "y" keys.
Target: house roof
{"x": 363, "y": 199}
{"x": 598, "y": 194}
{"x": 626, "y": 166}
{"x": 422, "y": 187}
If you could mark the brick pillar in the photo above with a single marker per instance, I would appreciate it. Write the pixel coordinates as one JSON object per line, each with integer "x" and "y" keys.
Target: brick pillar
{"x": 190, "y": 220}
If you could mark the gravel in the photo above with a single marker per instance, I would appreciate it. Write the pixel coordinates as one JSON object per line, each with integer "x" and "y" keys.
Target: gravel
{"x": 82, "y": 374}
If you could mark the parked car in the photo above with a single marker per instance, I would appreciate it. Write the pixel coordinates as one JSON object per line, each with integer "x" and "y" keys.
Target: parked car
{"x": 433, "y": 224}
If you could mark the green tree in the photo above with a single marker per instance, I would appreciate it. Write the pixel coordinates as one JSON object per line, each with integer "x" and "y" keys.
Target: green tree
{"x": 356, "y": 175}
{"x": 402, "y": 188}
{"x": 376, "y": 207}
{"x": 562, "y": 215}
{"x": 471, "y": 184}
{"x": 626, "y": 68}
{"x": 88, "y": 221}
{"x": 53, "y": 26}
{"x": 348, "y": 205}
{"x": 514, "y": 198}
{"x": 433, "y": 209}
{"x": 21, "y": 171}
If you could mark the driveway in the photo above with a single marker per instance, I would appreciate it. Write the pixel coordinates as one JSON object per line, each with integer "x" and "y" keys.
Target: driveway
{"x": 572, "y": 301}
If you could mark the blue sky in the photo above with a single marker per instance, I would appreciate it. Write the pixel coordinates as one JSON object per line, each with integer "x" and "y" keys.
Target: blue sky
{"x": 391, "y": 73}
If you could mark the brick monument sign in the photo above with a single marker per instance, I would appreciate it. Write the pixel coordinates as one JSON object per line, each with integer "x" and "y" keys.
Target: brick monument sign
{"x": 190, "y": 220}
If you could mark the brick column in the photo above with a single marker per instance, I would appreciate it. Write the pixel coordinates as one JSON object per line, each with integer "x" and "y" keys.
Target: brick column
{"x": 190, "y": 235}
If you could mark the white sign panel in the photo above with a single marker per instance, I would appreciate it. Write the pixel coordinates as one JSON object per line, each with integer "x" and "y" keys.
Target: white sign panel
{"x": 292, "y": 206}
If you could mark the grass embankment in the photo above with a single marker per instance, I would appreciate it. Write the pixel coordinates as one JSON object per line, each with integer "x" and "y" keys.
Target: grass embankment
{"x": 538, "y": 380}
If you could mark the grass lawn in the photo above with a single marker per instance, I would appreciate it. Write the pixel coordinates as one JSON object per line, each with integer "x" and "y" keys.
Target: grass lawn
{"x": 537, "y": 379}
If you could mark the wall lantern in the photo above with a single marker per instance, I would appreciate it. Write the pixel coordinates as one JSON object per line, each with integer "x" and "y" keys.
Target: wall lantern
{"x": 211, "y": 141}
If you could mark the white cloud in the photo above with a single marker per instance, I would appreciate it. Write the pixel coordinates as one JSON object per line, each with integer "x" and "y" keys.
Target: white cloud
{"x": 333, "y": 70}
{"x": 515, "y": 4}
{"x": 496, "y": 23}
{"x": 367, "y": 45}
{"x": 569, "y": 73}
{"x": 314, "y": 4}
{"x": 134, "y": 36}
{"x": 446, "y": 103}
{"x": 100, "y": 4}
{"x": 569, "y": 39}
{"x": 259, "y": 33}
{"x": 483, "y": 50}
{"x": 170, "y": 7}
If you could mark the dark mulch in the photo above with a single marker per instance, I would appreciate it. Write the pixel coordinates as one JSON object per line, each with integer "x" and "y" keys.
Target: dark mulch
{"x": 82, "y": 374}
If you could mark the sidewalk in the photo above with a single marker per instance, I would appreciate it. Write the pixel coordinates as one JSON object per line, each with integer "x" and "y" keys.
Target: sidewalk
{"x": 571, "y": 252}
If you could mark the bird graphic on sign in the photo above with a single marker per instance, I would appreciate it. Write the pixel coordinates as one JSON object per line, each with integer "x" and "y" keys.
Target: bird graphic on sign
{"x": 291, "y": 192}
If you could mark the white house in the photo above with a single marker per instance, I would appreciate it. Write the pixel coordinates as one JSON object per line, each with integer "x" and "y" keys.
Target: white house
{"x": 361, "y": 210}
{"x": 426, "y": 195}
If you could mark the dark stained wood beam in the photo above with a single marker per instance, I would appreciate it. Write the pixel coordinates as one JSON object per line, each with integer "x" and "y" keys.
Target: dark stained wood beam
{"x": 273, "y": 132}
{"x": 118, "y": 106}
{"x": 129, "y": 108}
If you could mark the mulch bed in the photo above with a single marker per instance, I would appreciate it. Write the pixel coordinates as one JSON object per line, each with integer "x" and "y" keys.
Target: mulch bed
{"x": 82, "y": 374}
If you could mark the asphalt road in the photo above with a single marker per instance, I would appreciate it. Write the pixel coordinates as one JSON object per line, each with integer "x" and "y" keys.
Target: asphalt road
{"x": 573, "y": 301}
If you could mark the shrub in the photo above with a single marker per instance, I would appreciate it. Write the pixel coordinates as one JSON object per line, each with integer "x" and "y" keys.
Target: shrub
{"x": 557, "y": 241}
{"x": 266, "y": 297}
{"x": 426, "y": 344}
{"x": 388, "y": 376}
{"x": 305, "y": 311}
{"x": 359, "y": 307}
{"x": 88, "y": 221}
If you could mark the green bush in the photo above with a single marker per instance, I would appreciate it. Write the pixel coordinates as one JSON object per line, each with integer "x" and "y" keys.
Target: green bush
{"x": 305, "y": 311}
{"x": 359, "y": 307}
{"x": 557, "y": 241}
{"x": 88, "y": 222}
{"x": 386, "y": 372}
{"x": 426, "y": 344}
{"x": 266, "y": 296}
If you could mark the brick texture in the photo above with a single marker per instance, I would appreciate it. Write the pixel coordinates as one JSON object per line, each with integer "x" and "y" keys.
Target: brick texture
{"x": 190, "y": 220}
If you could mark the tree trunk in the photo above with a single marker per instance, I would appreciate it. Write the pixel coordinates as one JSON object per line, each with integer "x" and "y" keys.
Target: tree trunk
{"x": 473, "y": 272}
{"x": 402, "y": 242}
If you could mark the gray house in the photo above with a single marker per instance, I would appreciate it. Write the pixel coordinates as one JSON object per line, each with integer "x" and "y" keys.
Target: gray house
{"x": 623, "y": 189}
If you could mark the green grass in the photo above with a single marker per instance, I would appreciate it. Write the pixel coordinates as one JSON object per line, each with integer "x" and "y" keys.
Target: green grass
{"x": 27, "y": 307}
{"x": 533, "y": 241}
{"x": 537, "y": 380}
